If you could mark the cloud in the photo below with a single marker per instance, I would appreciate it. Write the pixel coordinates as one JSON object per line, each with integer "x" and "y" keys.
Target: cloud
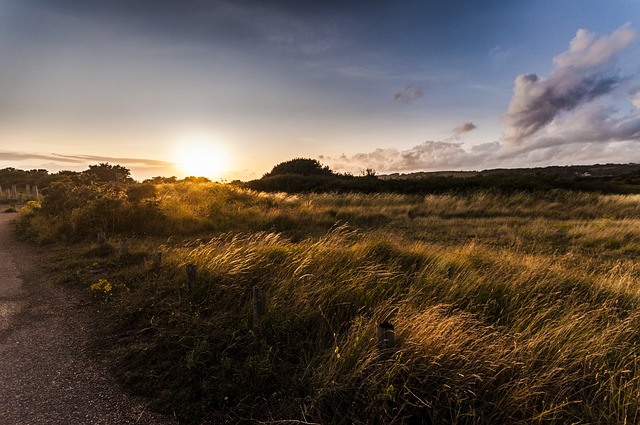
{"x": 636, "y": 100}
{"x": 121, "y": 161}
{"x": 499, "y": 55}
{"x": 583, "y": 73}
{"x": 82, "y": 159}
{"x": 24, "y": 156}
{"x": 429, "y": 155}
{"x": 408, "y": 94}
{"x": 573, "y": 115}
{"x": 463, "y": 128}
{"x": 589, "y": 51}
{"x": 141, "y": 168}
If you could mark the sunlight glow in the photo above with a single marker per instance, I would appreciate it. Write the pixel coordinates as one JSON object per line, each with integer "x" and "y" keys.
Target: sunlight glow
{"x": 202, "y": 158}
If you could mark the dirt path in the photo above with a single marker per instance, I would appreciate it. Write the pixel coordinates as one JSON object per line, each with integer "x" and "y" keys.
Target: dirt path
{"x": 47, "y": 373}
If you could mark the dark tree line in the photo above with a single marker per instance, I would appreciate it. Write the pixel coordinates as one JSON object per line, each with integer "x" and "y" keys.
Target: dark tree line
{"x": 100, "y": 173}
{"x": 308, "y": 175}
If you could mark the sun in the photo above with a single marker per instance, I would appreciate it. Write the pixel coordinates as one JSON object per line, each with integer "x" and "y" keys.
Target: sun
{"x": 202, "y": 158}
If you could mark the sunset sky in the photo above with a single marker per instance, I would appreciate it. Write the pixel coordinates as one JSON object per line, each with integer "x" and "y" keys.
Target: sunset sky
{"x": 229, "y": 88}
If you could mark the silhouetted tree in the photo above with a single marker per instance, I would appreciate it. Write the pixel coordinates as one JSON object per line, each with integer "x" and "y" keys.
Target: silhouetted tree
{"x": 302, "y": 167}
{"x": 160, "y": 180}
{"x": 107, "y": 173}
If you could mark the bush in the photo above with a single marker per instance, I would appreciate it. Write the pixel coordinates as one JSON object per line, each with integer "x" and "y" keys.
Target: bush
{"x": 80, "y": 209}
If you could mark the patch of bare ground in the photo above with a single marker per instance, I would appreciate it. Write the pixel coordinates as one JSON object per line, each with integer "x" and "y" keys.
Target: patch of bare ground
{"x": 49, "y": 371}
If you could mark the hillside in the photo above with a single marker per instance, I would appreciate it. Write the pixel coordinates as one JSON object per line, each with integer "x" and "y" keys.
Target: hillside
{"x": 596, "y": 170}
{"x": 608, "y": 178}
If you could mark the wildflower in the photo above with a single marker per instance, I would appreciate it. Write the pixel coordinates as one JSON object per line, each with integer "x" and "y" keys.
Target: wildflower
{"x": 102, "y": 285}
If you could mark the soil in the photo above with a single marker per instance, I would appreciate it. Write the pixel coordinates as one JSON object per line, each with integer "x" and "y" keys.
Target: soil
{"x": 49, "y": 372}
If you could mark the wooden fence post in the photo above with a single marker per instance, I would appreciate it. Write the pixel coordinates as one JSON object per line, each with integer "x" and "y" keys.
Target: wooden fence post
{"x": 14, "y": 192}
{"x": 157, "y": 259}
{"x": 122, "y": 247}
{"x": 36, "y": 194}
{"x": 192, "y": 275}
{"x": 102, "y": 238}
{"x": 386, "y": 335}
{"x": 259, "y": 304}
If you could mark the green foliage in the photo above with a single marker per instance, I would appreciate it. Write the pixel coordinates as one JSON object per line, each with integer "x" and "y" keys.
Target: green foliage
{"x": 306, "y": 175}
{"x": 79, "y": 208}
{"x": 108, "y": 173}
{"x": 161, "y": 180}
{"x": 37, "y": 177}
{"x": 300, "y": 167}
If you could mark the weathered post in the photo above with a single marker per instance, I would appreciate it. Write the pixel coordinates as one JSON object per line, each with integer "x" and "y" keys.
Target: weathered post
{"x": 14, "y": 192}
{"x": 386, "y": 334}
{"x": 192, "y": 275}
{"x": 1, "y": 192}
{"x": 122, "y": 247}
{"x": 259, "y": 304}
{"x": 157, "y": 259}
{"x": 27, "y": 191}
{"x": 36, "y": 194}
{"x": 102, "y": 238}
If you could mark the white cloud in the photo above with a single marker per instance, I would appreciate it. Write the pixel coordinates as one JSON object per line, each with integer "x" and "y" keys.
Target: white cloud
{"x": 636, "y": 100}
{"x": 588, "y": 50}
{"x": 429, "y": 155}
{"x": 587, "y": 71}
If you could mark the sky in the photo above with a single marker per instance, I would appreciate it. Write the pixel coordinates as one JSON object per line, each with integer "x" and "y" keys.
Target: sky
{"x": 229, "y": 88}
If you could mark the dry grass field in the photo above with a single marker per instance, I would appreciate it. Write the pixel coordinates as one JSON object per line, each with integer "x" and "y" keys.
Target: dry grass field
{"x": 516, "y": 308}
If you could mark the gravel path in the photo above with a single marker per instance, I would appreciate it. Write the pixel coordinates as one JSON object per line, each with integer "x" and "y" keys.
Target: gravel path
{"x": 47, "y": 373}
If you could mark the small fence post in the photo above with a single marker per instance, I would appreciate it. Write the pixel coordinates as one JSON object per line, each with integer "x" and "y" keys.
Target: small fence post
{"x": 157, "y": 259}
{"x": 102, "y": 238}
{"x": 192, "y": 275}
{"x": 386, "y": 336}
{"x": 36, "y": 195}
{"x": 122, "y": 247}
{"x": 259, "y": 304}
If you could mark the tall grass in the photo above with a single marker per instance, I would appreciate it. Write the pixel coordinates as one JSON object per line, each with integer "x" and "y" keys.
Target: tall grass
{"x": 518, "y": 308}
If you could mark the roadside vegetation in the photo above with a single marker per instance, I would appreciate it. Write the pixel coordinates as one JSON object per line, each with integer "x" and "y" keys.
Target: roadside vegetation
{"x": 508, "y": 306}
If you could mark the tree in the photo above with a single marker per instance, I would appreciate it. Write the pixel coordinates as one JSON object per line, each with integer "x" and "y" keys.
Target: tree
{"x": 368, "y": 172}
{"x": 107, "y": 173}
{"x": 300, "y": 166}
{"x": 161, "y": 180}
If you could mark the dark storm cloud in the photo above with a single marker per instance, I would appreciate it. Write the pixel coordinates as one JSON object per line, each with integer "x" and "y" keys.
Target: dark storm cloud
{"x": 583, "y": 73}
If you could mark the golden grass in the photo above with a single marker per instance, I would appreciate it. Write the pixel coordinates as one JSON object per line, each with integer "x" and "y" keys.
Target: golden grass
{"x": 520, "y": 308}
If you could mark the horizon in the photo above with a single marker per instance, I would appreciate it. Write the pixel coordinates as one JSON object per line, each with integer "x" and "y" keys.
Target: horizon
{"x": 363, "y": 173}
{"x": 227, "y": 89}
